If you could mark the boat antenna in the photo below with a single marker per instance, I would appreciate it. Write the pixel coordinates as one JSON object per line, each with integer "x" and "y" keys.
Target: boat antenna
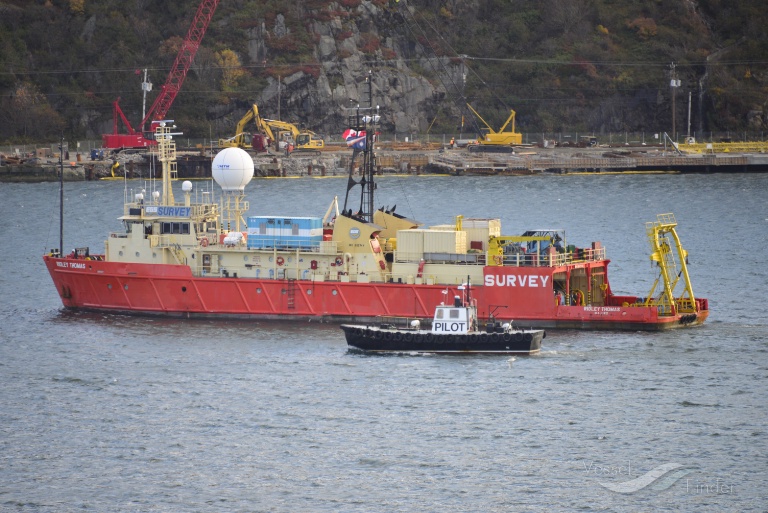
{"x": 61, "y": 196}
{"x": 362, "y": 136}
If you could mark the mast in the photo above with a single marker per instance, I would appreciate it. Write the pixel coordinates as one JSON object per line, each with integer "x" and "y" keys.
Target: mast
{"x": 61, "y": 196}
{"x": 363, "y": 123}
{"x": 166, "y": 148}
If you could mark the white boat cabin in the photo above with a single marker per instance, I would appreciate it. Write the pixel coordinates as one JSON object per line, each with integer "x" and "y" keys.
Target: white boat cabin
{"x": 454, "y": 319}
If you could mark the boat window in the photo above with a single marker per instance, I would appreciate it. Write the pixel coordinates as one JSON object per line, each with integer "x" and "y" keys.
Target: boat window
{"x": 439, "y": 313}
{"x": 454, "y": 313}
{"x": 180, "y": 228}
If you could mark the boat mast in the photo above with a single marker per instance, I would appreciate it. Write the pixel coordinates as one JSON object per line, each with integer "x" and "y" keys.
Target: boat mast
{"x": 364, "y": 122}
{"x": 61, "y": 196}
{"x": 166, "y": 147}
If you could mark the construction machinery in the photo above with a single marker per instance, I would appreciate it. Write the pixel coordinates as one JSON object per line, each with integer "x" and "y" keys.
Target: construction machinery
{"x": 243, "y": 139}
{"x": 141, "y": 138}
{"x": 270, "y": 131}
{"x": 497, "y": 141}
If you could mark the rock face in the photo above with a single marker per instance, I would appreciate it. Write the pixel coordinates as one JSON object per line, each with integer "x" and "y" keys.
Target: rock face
{"x": 322, "y": 97}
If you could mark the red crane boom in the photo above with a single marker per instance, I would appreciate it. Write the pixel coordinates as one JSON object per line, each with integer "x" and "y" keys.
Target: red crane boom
{"x": 170, "y": 89}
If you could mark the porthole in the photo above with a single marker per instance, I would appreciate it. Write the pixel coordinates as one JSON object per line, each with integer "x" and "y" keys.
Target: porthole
{"x": 120, "y": 253}
{"x": 109, "y": 286}
{"x": 258, "y": 290}
{"x": 334, "y": 292}
{"x": 183, "y": 289}
{"x": 309, "y": 292}
{"x": 125, "y": 286}
{"x": 138, "y": 254}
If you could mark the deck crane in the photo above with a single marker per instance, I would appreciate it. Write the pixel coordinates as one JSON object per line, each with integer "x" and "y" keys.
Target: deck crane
{"x": 163, "y": 102}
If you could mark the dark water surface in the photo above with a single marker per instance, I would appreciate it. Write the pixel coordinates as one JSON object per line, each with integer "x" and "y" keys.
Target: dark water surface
{"x": 119, "y": 413}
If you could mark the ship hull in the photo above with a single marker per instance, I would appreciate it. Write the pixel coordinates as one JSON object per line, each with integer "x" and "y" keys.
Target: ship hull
{"x": 172, "y": 290}
{"x": 375, "y": 339}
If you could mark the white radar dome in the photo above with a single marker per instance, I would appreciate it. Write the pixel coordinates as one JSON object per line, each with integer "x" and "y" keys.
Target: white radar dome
{"x": 186, "y": 186}
{"x": 232, "y": 169}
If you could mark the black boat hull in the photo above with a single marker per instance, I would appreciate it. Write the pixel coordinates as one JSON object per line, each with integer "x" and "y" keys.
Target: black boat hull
{"x": 369, "y": 338}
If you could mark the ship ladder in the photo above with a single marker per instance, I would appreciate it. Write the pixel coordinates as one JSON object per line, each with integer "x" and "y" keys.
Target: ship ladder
{"x": 291, "y": 294}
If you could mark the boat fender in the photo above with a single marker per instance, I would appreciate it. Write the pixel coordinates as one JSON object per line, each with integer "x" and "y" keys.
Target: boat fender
{"x": 398, "y": 337}
{"x": 280, "y": 260}
{"x": 518, "y": 337}
{"x": 204, "y": 242}
{"x": 408, "y": 337}
{"x": 544, "y": 335}
{"x": 382, "y": 265}
{"x": 359, "y": 332}
{"x": 507, "y": 337}
{"x": 528, "y": 338}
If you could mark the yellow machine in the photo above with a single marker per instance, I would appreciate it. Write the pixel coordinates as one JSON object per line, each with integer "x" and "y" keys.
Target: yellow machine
{"x": 241, "y": 139}
{"x": 502, "y": 137}
{"x": 672, "y": 260}
{"x": 280, "y": 133}
{"x": 283, "y": 131}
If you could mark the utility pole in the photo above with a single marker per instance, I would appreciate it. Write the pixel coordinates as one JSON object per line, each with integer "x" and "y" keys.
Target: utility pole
{"x": 674, "y": 83}
{"x": 146, "y": 86}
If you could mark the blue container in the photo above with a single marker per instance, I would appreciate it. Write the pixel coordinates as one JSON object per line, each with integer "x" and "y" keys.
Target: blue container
{"x": 284, "y": 232}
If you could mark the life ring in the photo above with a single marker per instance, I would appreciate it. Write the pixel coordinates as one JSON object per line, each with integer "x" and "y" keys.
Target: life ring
{"x": 577, "y": 298}
{"x": 497, "y": 259}
{"x": 204, "y": 242}
{"x": 339, "y": 261}
{"x": 279, "y": 260}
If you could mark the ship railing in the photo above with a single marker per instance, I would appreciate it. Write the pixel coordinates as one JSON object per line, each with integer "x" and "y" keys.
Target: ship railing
{"x": 543, "y": 259}
{"x": 575, "y": 256}
{"x": 440, "y": 258}
{"x": 197, "y": 210}
{"x": 400, "y": 323}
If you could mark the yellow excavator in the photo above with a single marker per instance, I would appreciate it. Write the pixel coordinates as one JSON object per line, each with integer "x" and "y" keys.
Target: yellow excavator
{"x": 497, "y": 141}
{"x": 270, "y": 131}
{"x": 288, "y": 133}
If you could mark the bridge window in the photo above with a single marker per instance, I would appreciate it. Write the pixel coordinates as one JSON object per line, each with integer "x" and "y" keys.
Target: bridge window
{"x": 174, "y": 228}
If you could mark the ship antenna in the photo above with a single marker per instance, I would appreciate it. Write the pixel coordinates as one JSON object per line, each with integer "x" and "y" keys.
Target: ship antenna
{"x": 362, "y": 137}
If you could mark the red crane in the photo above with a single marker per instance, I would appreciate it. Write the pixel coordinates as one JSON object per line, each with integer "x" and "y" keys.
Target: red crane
{"x": 163, "y": 102}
